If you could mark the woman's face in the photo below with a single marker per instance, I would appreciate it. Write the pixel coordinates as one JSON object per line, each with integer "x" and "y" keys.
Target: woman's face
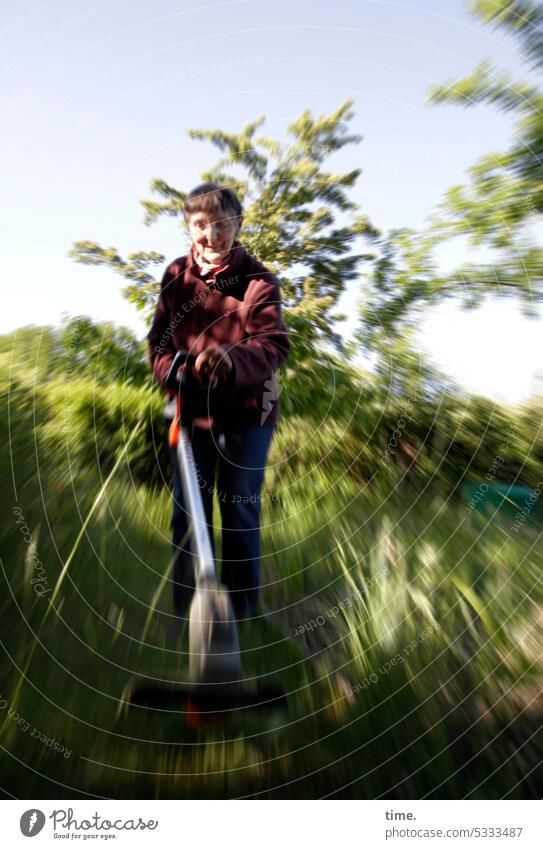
{"x": 213, "y": 236}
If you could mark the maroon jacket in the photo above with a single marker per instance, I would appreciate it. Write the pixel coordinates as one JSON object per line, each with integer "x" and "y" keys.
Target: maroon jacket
{"x": 238, "y": 309}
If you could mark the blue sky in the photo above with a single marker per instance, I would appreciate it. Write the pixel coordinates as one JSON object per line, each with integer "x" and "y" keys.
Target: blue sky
{"x": 98, "y": 97}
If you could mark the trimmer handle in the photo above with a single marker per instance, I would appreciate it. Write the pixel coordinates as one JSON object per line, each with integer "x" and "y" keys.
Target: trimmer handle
{"x": 177, "y": 378}
{"x": 183, "y": 380}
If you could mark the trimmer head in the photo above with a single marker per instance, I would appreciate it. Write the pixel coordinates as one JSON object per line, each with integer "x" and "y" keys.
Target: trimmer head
{"x": 215, "y": 688}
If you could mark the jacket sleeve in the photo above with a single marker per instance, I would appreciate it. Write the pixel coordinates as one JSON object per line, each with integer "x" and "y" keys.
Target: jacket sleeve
{"x": 267, "y": 344}
{"x": 160, "y": 337}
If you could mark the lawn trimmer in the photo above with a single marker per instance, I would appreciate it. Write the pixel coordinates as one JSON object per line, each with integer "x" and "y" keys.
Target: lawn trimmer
{"x": 215, "y": 686}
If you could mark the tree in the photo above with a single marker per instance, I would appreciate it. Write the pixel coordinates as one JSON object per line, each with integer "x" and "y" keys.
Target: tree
{"x": 503, "y": 197}
{"x": 291, "y": 206}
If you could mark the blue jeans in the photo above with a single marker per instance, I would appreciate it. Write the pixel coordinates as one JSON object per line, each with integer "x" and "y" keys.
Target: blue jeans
{"x": 241, "y": 463}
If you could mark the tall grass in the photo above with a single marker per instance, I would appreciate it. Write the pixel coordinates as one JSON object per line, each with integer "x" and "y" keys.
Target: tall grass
{"x": 405, "y": 628}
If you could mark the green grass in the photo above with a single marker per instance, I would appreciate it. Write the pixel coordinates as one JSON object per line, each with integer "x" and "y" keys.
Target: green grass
{"x": 456, "y": 715}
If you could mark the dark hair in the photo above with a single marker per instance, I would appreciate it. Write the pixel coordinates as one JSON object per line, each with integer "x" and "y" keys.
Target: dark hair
{"x": 213, "y": 199}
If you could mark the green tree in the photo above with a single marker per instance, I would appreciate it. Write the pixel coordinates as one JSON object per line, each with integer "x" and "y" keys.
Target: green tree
{"x": 31, "y": 350}
{"x": 298, "y": 219}
{"x": 102, "y": 350}
{"x": 502, "y": 200}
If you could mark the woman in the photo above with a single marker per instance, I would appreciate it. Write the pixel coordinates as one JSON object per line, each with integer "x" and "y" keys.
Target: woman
{"x": 223, "y": 305}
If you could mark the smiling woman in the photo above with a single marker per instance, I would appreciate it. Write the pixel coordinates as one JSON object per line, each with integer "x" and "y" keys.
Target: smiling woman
{"x": 224, "y": 307}
{"x": 214, "y": 220}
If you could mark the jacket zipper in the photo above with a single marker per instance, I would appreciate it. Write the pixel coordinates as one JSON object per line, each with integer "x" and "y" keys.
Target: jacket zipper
{"x": 211, "y": 417}
{"x": 206, "y": 295}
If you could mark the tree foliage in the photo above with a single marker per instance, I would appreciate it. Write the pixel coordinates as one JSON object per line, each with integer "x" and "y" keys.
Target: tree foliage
{"x": 498, "y": 208}
{"x": 102, "y": 350}
{"x": 500, "y": 205}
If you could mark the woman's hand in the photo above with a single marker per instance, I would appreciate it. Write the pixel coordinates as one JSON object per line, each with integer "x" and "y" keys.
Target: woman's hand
{"x": 213, "y": 362}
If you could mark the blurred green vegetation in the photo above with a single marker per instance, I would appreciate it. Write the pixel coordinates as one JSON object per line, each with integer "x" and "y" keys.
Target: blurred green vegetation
{"x": 405, "y": 626}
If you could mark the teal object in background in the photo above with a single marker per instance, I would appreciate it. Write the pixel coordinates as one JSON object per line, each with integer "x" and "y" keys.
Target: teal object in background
{"x": 509, "y": 499}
